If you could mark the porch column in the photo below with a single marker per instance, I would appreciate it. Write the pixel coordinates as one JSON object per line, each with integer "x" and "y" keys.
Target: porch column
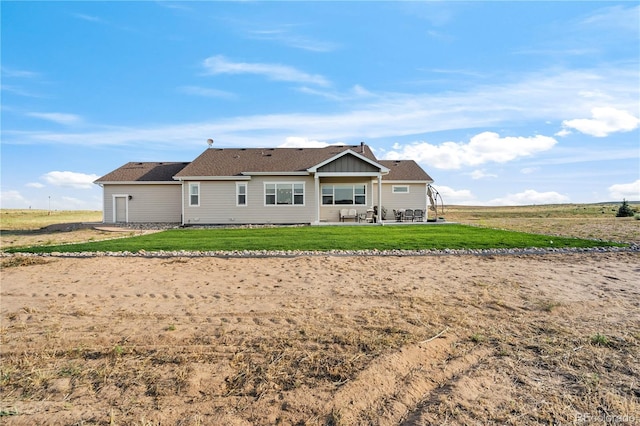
{"x": 380, "y": 199}
{"x": 316, "y": 181}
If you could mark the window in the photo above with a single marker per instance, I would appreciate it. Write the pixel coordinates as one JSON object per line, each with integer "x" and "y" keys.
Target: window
{"x": 400, "y": 189}
{"x": 241, "y": 194}
{"x": 284, "y": 194}
{"x": 194, "y": 194}
{"x": 344, "y": 194}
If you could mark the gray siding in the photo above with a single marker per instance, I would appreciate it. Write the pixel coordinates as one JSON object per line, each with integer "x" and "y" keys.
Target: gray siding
{"x": 348, "y": 163}
{"x": 415, "y": 199}
{"x": 149, "y": 203}
{"x": 218, "y": 203}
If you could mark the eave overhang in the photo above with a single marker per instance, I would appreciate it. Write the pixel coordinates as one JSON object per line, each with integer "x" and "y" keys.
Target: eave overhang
{"x": 212, "y": 178}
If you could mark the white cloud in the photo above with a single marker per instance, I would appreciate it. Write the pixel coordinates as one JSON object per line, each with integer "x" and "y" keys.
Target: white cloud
{"x": 453, "y": 196}
{"x": 551, "y": 96}
{"x": 221, "y": 65}
{"x": 206, "y": 92}
{"x": 616, "y": 17}
{"x": 483, "y": 148}
{"x": 11, "y": 72}
{"x": 628, "y": 191}
{"x": 529, "y": 170}
{"x": 298, "y": 142}
{"x": 355, "y": 94}
{"x": 285, "y": 36}
{"x": 604, "y": 121}
{"x": 56, "y": 117}
{"x": 481, "y": 174}
{"x": 37, "y": 185}
{"x": 70, "y": 179}
{"x": 13, "y": 199}
{"x": 88, "y": 18}
{"x": 529, "y": 196}
{"x": 563, "y": 133}
{"x": 71, "y": 203}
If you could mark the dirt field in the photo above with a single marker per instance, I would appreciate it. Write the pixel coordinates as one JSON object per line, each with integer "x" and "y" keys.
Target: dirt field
{"x": 455, "y": 340}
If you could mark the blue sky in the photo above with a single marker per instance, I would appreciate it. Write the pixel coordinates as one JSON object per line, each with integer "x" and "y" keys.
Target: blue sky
{"x": 502, "y": 103}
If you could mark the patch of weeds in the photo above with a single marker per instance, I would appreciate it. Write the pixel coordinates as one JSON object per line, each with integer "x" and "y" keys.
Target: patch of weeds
{"x": 8, "y": 412}
{"x": 478, "y": 338}
{"x": 334, "y": 418}
{"x": 591, "y": 381}
{"x": 70, "y": 370}
{"x": 170, "y": 327}
{"x": 548, "y": 305}
{"x": 118, "y": 350}
{"x": 15, "y": 261}
{"x": 600, "y": 340}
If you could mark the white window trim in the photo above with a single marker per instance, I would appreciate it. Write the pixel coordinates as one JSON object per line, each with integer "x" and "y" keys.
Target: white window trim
{"x": 393, "y": 189}
{"x": 333, "y": 185}
{"x": 246, "y": 194}
{"x": 304, "y": 194}
{"x": 197, "y": 184}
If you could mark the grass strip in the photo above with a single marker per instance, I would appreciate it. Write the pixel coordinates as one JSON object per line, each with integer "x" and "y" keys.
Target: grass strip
{"x": 324, "y": 238}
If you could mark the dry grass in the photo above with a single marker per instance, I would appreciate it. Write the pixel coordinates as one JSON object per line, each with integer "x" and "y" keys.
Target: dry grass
{"x": 27, "y": 219}
{"x": 326, "y": 341}
{"x": 592, "y": 221}
{"x": 24, "y": 228}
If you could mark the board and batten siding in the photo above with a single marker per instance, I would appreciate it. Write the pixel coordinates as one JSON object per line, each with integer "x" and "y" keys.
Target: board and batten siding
{"x": 348, "y": 164}
{"x": 218, "y": 204}
{"x": 148, "y": 203}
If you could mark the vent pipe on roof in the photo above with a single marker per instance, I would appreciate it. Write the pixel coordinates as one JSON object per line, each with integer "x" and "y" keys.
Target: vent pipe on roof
{"x": 362, "y": 147}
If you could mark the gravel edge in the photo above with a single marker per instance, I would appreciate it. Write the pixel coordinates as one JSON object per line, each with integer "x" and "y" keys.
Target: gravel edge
{"x": 633, "y": 248}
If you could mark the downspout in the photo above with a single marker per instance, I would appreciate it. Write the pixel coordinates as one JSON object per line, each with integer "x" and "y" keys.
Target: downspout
{"x": 380, "y": 198}
{"x": 316, "y": 181}
{"x": 182, "y": 203}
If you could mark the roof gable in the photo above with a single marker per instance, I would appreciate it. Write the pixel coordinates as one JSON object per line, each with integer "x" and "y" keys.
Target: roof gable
{"x": 348, "y": 161}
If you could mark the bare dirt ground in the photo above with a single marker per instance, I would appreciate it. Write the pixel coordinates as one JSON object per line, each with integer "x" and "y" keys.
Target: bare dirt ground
{"x": 458, "y": 340}
{"x": 452, "y": 340}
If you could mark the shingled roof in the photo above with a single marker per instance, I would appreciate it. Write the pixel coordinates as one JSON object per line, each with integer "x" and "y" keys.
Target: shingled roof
{"x": 235, "y": 161}
{"x": 144, "y": 172}
{"x": 404, "y": 170}
{"x": 228, "y": 162}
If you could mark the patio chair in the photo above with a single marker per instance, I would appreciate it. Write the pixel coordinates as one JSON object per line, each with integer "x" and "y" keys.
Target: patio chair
{"x": 408, "y": 214}
{"x": 418, "y": 215}
{"x": 397, "y": 214}
{"x": 370, "y": 216}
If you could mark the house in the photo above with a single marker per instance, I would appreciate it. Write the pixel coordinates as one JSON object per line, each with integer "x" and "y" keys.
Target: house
{"x": 263, "y": 186}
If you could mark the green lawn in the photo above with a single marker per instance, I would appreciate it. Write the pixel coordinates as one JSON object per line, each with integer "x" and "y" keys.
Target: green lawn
{"x": 323, "y": 238}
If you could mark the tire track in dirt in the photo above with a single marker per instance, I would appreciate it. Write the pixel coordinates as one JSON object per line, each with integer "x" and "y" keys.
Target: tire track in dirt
{"x": 392, "y": 388}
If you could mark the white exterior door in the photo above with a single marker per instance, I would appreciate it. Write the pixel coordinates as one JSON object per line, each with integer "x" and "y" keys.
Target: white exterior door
{"x": 120, "y": 210}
